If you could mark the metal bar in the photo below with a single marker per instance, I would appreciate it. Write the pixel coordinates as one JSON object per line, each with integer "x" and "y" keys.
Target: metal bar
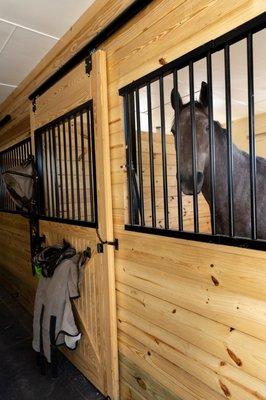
{"x": 16, "y": 156}
{"x": 218, "y": 239}
{"x": 229, "y": 139}
{"x": 40, "y": 169}
{"x": 164, "y": 156}
{"x": 45, "y": 155}
{"x": 95, "y": 213}
{"x": 66, "y": 173}
{"x": 24, "y": 157}
{"x": 212, "y": 150}
{"x": 177, "y": 152}
{"x": 129, "y": 158}
{"x": 151, "y": 155}
{"x": 89, "y": 132}
{"x": 252, "y": 142}
{"x": 56, "y": 189}
{"x": 71, "y": 168}
{"x": 140, "y": 171}
{"x": 194, "y": 147}
{"x": 83, "y": 167}
{"x": 77, "y": 163}
{"x": 51, "y": 173}
{"x": 60, "y": 171}
{"x": 133, "y": 166}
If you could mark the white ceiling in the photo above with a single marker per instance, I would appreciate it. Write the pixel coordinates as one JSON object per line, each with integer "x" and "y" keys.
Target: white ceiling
{"x": 28, "y": 30}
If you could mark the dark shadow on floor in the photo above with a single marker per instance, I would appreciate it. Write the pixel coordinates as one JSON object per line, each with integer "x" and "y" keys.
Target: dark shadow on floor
{"x": 20, "y": 378}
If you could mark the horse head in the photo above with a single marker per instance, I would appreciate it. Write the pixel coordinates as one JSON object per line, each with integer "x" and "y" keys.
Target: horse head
{"x": 185, "y": 138}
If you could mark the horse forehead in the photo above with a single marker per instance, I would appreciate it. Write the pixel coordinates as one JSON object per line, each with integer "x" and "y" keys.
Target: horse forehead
{"x": 185, "y": 115}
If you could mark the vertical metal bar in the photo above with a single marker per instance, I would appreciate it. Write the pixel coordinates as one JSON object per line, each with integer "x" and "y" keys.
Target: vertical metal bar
{"x": 40, "y": 168}
{"x": 229, "y": 138}
{"x": 25, "y": 151}
{"x": 51, "y": 172}
{"x": 20, "y": 155}
{"x": 129, "y": 158}
{"x": 66, "y": 169}
{"x": 90, "y": 155}
{"x": 95, "y": 213}
{"x": 16, "y": 156}
{"x": 212, "y": 150}
{"x": 56, "y": 189}
{"x": 45, "y": 154}
{"x": 140, "y": 172}
{"x": 77, "y": 163}
{"x": 164, "y": 155}
{"x": 151, "y": 155}
{"x": 60, "y": 170}
{"x": 252, "y": 141}
{"x": 194, "y": 147}
{"x": 30, "y": 150}
{"x": 177, "y": 151}
{"x": 133, "y": 166}
{"x": 71, "y": 168}
{"x": 83, "y": 167}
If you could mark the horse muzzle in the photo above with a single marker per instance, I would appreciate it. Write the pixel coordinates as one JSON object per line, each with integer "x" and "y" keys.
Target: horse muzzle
{"x": 187, "y": 185}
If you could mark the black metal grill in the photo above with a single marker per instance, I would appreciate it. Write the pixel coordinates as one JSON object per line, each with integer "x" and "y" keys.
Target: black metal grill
{"x": 150, "y": 192}
{"x": 65, "y": 155}
{"x": 12, "y": 157}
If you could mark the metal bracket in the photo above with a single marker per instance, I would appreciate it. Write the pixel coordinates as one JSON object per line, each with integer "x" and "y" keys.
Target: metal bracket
{"x": 100, "y": 245}
{"x": 88, "y": 65}
{"x": 34, "y": 105}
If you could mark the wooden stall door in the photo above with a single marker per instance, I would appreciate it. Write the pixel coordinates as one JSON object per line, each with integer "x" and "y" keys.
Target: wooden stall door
{"x": 96, "y": 355}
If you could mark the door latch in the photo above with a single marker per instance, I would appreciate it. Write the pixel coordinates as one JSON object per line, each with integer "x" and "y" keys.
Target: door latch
{"x": 100, "y": 245}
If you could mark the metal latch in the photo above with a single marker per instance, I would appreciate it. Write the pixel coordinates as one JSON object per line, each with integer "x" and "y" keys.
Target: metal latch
{"x": 100, "y": 245}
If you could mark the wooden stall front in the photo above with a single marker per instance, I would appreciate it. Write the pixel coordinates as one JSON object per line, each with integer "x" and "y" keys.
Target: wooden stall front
{"x": 190, "y": 316}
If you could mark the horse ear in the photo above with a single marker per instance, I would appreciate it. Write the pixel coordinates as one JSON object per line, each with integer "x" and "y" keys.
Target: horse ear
{"x": 204, "y": 98}
{"x": 176, "y": 99}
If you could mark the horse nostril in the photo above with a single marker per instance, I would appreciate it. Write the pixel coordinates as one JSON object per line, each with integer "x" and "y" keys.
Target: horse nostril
{"x": 199, "y": 177}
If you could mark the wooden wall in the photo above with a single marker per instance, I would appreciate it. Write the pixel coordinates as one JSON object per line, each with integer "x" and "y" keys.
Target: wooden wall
{"x": 15, "y": 265}
{"x": 240, "y": 134}
{"x": 191, "y": 316}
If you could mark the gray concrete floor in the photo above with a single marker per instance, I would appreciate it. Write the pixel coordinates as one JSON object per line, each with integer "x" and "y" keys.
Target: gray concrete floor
{"x": 20, "y": 378}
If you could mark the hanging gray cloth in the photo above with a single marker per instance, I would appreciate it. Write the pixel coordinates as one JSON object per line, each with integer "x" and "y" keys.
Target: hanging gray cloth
{"x": 19, "y": 183}
{"x": 53, "y": 322}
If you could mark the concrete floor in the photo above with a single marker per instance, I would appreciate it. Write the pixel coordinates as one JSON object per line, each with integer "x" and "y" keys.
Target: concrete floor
{"x": 20, "y": 378}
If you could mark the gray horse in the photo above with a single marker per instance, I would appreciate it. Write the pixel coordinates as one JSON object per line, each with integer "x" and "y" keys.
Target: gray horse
{"x": 240, "y": 175}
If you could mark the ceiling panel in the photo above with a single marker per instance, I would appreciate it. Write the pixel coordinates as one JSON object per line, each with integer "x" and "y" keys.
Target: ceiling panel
{"x": 53, "y": 17}
{"x": 5, "y": 31}
{"x": 21, "y": 54}
{"x": 4, "y": 92}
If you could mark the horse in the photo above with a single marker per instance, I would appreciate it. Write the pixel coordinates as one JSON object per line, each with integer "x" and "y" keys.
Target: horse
{"x": 240, "y": 171}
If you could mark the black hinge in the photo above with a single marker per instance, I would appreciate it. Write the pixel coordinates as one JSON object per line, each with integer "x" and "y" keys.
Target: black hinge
{"x": 88, "y": 65}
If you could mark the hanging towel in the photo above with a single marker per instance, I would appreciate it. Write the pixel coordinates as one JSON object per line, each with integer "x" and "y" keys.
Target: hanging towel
{"x": 53, "y": 322}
